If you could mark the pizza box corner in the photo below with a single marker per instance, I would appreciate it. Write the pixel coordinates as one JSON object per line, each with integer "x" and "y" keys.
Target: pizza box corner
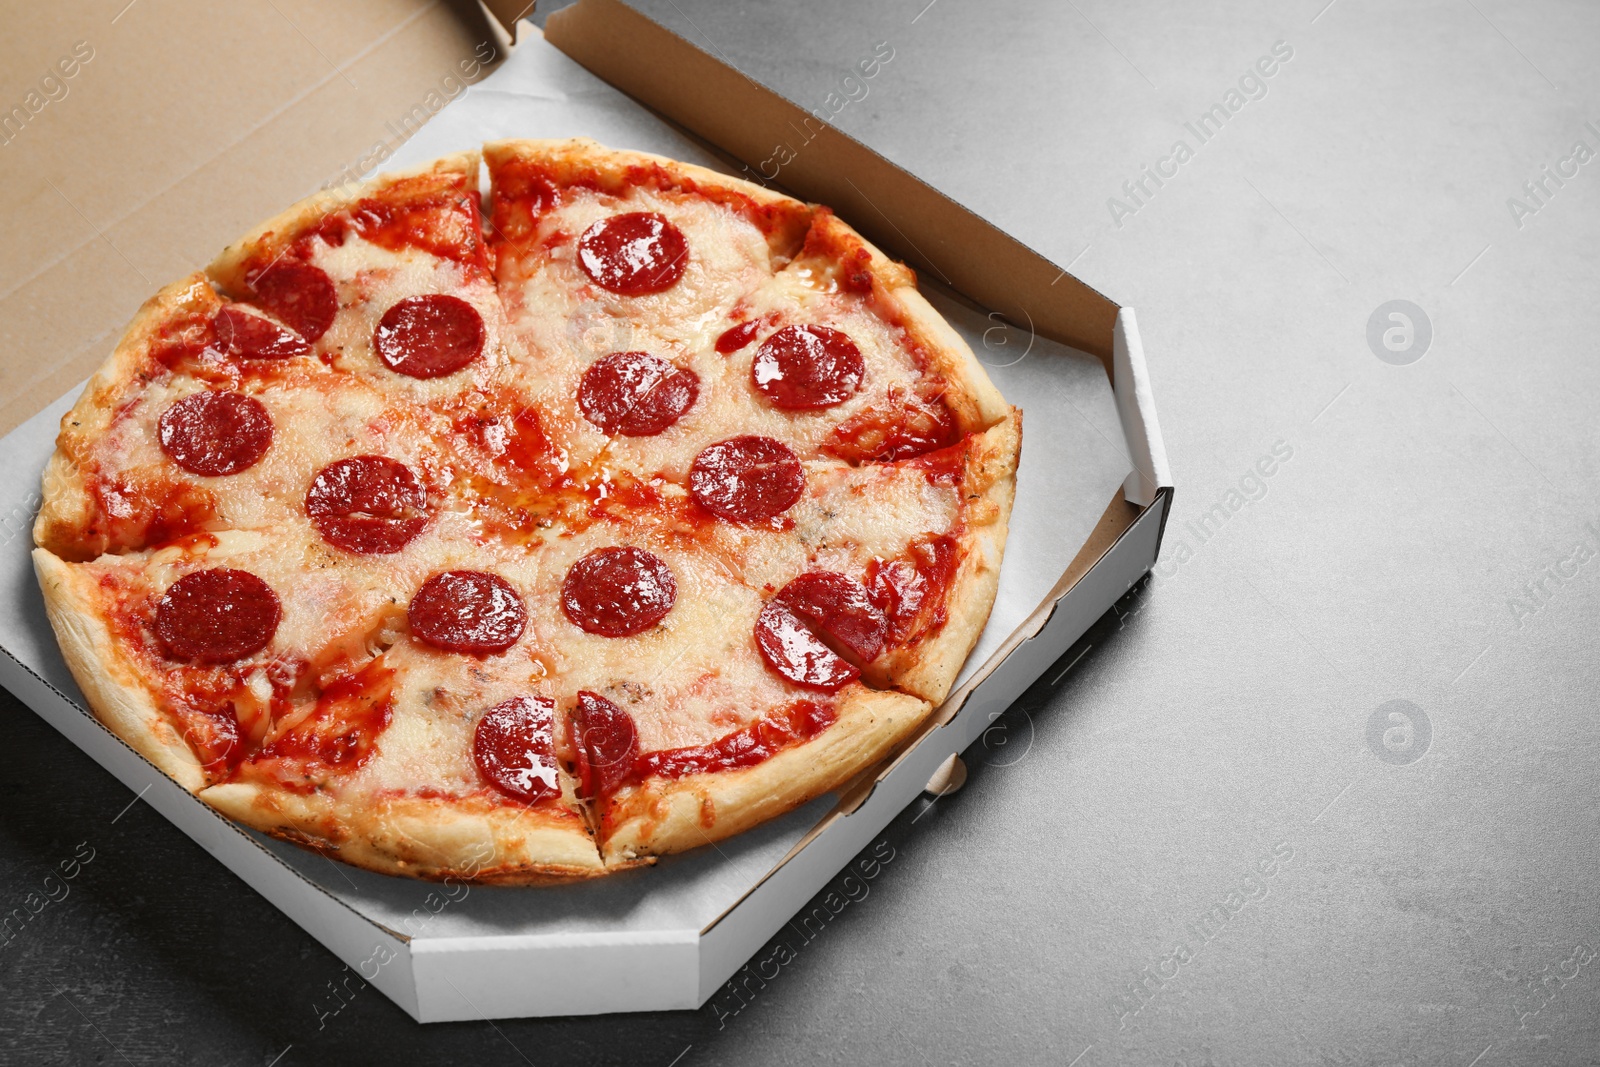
{"x": 1092, "y": 500}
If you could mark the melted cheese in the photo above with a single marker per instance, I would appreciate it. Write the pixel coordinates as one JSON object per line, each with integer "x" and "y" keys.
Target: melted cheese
{"x": 690, "y": 680}
{"x": 567, "y": 323}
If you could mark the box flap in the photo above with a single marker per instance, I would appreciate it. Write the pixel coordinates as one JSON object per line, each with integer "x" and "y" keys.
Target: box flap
{"x": 1136, "y": 404}
{"x": 508, "y": 13}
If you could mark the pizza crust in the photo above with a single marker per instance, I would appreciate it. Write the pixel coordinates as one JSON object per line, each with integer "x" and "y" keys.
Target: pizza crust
{"x": 114, "y": 690}
{"x": 67, "y": 509}
{"x": 673, "y": 815}
{"x": 416, "y": 837}
{"x": 975, "y": 401}
{"x": 230, "y": 269}
{"x": 615, "y": 169}
{"x": 929, "y": 667}
{"x": 977, "y": 404}
{"x": 952, "y": 357}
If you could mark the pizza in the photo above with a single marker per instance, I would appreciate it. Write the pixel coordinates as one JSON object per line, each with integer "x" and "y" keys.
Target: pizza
{"x": 530, "y": 536}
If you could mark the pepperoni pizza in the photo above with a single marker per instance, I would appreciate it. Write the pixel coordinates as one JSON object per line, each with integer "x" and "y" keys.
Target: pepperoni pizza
{"x": 533, "y": 540}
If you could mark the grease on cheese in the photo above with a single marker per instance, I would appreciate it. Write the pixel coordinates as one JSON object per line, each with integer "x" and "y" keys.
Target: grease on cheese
{"x": 568, "y": 323}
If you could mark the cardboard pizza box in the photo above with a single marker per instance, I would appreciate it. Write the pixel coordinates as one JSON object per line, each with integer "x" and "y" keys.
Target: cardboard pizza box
{"x": 1092, "y": 501}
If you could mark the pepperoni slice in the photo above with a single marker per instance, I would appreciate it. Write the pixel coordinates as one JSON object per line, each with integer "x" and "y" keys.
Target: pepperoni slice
{"x": 636, "y": 394}
{"x": 803, "y": 368}
{"x": 513, "y": 746}
{"x": 618, "y": 591}
{"x": 467, "y": 611}
{"x": 367, "y": 504}
{"x": 300, "y": 295}
{"x": 794, "y": 652}
{"x": 736, "y": 337}
{"x": 607, "y": 742}
{"x": 246, "y": 336}
{"x": 429, "y": 336}
{"x": 633, "y": 254}
{"x": 215, "y": 433}
{"x": 747, "y": 478}
{"x": 217, "y": 616}
{"x": 840, "y": 611}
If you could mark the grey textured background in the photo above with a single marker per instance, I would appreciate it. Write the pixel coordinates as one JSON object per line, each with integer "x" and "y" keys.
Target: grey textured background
{"x": 1429, "y": 540}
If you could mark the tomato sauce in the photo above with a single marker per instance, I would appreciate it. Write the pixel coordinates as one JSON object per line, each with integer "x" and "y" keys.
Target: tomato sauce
{"x": 786, "y": 727}
{"x": 340, "y": 733}
{"x": 911, "y": 591}
{"x": 434, "y": 213}
{"x": 131, "y": 515}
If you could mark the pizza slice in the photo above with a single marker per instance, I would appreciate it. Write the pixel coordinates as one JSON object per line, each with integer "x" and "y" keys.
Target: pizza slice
{"x": 388, "y": 276}
{"x": 365, "y": 325}
{"x": 799, "y": 653}
{"x": 391, "y": 712}
{"x": 662, "y": 304}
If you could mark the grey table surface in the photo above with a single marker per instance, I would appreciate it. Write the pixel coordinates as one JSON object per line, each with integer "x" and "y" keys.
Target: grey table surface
{"x": 1324, "y": 789}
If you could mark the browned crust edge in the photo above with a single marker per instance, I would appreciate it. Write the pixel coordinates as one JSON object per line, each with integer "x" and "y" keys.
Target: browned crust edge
{"x": 614, "y": 168}
{"x": 431, "y": 839}
{"x": 228, "y": 270}
{"x": 988, "y": 486}
{"x": 672, "y": 815}
{"x": 111, "y": 683}
{"x": 66, "y": 509}
{"x": 973, "y": 398}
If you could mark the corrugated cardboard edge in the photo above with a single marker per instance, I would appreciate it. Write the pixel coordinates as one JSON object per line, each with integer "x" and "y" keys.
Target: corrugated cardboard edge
{"x": 1136, "y": 404}
{"x": 508, "y": 13}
